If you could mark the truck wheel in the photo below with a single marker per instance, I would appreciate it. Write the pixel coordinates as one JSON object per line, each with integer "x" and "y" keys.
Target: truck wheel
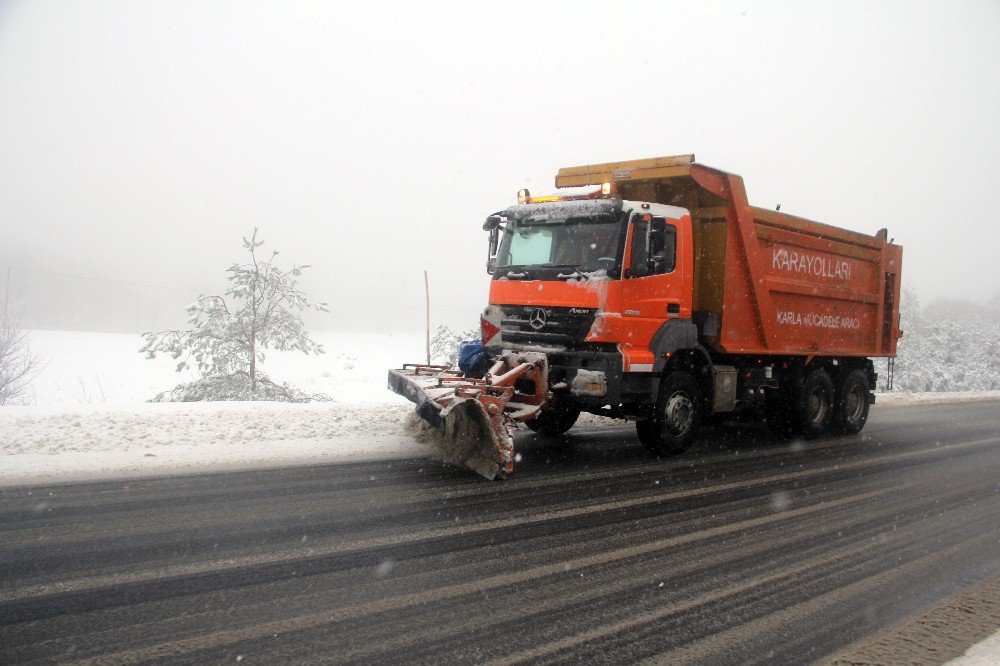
{"x": 851, "y": 410}
{"x": 814, "y": 405}
{"x": 553, "y": 422}
{"x": 677, "y": 417}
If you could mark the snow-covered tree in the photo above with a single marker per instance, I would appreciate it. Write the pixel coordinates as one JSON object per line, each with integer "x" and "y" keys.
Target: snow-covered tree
{"x": 949, "y": 349}
{"x": 445, "y": 343}
{"x": 230, "y": 333}
{"x": 18, "y": 365}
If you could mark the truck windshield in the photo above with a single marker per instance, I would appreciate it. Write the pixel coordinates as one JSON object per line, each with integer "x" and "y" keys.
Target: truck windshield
{"x": 576, "y": 243}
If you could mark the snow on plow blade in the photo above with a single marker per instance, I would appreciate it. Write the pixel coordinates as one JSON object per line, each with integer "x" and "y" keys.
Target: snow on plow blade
{"x": 472, "y": 414}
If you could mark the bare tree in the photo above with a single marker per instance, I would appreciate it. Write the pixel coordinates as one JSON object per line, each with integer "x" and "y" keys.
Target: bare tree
{"x": 18, "y": 365}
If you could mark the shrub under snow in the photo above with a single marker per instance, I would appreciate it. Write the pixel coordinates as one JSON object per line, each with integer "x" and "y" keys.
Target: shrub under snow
{"x": 445, "y": 342}
{"x": 236, "y": 387}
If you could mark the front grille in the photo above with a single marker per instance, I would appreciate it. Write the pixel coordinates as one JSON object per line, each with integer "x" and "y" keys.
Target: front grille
{"x": 529, "y": 324}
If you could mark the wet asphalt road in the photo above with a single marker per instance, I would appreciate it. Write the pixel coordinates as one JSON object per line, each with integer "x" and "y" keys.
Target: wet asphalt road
{"x": 745, "y": 549}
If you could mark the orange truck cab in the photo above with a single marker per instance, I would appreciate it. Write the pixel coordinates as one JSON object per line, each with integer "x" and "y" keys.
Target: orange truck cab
{"x": 658, "y": 294}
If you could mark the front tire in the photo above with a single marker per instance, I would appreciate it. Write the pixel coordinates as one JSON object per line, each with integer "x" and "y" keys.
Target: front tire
{"x": 553, "y": 422}
{"x": 851, "y": 410}
{"x": 676, "y": 418}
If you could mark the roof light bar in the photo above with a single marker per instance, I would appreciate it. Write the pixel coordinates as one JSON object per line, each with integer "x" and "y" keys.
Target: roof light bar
{"x": 606, "y": 190}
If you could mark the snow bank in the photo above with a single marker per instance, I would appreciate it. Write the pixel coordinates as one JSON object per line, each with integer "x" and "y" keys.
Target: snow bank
{"x": 45, "y": 444}
{"x": 904, "y": 399}
{"x": 85, "y": 442}
{"x": 984, "y": 653}
{"x": 89, "y": 418}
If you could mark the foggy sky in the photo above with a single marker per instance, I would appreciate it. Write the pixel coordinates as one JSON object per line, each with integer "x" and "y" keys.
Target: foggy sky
{"x": 140, "y": 140}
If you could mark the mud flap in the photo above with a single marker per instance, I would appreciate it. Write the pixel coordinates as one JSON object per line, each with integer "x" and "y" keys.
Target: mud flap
{"x": 468, "y": 439}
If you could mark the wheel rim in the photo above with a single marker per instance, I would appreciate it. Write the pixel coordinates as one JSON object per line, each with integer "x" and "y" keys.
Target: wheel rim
{"x": 818, "y": 405}
{"x": 854, "y": 404}
{"x": 678, "y": 415}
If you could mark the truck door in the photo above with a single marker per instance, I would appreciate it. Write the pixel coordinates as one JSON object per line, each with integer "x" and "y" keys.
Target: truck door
{"x": 653, "y": 290}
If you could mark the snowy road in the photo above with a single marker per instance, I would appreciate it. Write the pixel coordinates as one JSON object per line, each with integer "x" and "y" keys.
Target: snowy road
{"x": 744, "y": 549}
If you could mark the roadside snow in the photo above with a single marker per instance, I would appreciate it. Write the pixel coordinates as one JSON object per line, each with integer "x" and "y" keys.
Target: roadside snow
{"x": 88, "y": 442}
{"x": 984, "y": 653}
{"x": 89, "y": 418}
{"x": 904, "y": 399}
{"x": 45, "y": 444}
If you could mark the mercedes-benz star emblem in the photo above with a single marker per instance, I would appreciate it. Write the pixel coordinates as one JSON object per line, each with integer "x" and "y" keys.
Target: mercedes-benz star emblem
{"x": 537, "y": 319}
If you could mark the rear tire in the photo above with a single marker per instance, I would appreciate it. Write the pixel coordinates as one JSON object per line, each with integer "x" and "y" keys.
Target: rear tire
{"x": 851, "y": 410}
{"x": 553, "y": 422}
{"x": 677, "y": 417}
{"x": 814, "y": 405}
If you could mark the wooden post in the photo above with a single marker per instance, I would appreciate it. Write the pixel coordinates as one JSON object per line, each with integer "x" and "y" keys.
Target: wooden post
{"x": 427, "y": 292}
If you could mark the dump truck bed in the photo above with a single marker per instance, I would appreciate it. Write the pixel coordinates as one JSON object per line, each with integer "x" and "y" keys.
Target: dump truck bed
{"x": 767, "y": 282}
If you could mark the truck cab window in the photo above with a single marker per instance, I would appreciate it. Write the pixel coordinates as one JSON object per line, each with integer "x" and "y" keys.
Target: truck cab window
{"x": 559, "y": 244}
{"x": 528, "y": 245}
{"x": 654, "y": 246}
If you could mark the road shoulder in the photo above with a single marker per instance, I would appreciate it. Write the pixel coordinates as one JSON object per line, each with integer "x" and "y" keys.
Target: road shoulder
{"x": 939, "y": 634}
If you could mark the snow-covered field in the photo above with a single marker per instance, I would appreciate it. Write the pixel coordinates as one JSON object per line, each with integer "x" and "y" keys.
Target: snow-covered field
{"x": 107, "y": 369}
{"x": 89, "y": 419}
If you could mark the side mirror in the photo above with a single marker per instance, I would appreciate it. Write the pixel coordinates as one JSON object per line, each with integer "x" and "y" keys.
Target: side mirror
{"x": 494, "y": 241}
{"x": 491, "y": 265}
{"x": 492, "y": 222}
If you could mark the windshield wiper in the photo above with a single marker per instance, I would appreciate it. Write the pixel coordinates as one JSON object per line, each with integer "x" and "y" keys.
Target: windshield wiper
{"x": 569, "y": 276}
{"x": 514, "y": 275}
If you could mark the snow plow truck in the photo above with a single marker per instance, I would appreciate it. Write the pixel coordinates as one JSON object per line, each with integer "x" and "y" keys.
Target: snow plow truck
{"x": 651, "y": 290}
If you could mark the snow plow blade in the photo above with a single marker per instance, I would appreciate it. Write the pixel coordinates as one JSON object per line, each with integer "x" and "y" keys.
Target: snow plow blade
{"x": 474, "y": 415}
{"x": 469, "y": 440}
